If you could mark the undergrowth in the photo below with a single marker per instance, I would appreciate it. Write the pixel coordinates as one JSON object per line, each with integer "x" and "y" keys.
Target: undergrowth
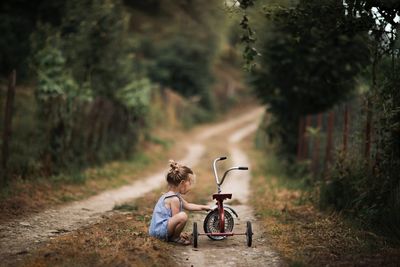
{"x": 287, "y": 207}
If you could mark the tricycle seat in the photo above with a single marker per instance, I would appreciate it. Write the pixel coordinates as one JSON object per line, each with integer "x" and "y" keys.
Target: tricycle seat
{"x": 222, "y": 196}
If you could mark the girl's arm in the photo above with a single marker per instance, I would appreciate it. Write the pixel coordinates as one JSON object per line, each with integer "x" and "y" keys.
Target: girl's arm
{"x": 194, "y": 207}
{"x": 174, "y": 204}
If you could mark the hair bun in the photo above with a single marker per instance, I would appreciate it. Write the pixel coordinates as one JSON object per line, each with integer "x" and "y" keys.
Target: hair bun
{"x": 174, "y": 165}
{"x": 178, "y": 173}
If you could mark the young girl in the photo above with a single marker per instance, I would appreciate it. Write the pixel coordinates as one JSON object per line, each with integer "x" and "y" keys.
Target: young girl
{"x": 169, "y": 219}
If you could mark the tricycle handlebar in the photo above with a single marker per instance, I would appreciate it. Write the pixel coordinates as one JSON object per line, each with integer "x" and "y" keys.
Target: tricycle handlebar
{"x": 215, "y": 167}
{"x": 226, "y": 172}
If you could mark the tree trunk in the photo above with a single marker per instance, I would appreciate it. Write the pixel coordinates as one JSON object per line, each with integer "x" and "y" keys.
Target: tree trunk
{"x": 7, "y": 130}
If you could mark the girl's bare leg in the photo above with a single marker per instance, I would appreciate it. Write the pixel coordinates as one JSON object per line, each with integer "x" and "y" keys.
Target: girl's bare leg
{"x": 176, "y": 224}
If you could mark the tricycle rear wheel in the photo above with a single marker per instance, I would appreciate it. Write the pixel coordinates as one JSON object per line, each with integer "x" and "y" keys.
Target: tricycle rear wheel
{"x": 195, "y": 235}
{"x": 249, "y": 234}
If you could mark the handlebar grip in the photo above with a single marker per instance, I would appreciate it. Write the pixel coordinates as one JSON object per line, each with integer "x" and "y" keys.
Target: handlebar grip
{"x": 222, "y": 158}
{"x": 243, "y": 168}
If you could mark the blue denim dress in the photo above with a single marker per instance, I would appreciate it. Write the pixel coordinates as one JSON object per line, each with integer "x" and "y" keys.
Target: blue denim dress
{"x": 161, "y": 214}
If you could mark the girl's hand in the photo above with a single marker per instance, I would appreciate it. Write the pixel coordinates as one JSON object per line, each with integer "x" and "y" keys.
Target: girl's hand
{"x": 206, "y": 208}
{"x": 185, "y": 236}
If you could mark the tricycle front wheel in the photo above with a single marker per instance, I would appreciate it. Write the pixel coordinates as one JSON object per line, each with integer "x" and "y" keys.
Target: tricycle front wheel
{"x": 211, "y": 223}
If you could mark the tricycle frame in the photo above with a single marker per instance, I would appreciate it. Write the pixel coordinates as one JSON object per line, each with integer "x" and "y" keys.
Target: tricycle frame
{"x": 220, "y": 207}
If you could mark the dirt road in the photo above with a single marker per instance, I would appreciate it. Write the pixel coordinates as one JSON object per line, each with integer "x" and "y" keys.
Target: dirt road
{"x": 17, "y": 238}
{"x": 233, "y": 250}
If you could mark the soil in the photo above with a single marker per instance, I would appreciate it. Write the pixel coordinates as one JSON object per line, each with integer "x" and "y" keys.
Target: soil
{"x": 55, "y": 235}
{"x": 233, "y": 251}
{"x": 111, "y": 229}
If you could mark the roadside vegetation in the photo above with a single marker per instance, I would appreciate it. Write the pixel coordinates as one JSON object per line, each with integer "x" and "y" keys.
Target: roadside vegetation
{"x": 105, "y": 89}
{"x": 121, "y": 237}
{"x": 309, "y": 58}
{"x": 90, "y": 72}
{"x": 101, "y": 86}
{"x": 287, "y": 208}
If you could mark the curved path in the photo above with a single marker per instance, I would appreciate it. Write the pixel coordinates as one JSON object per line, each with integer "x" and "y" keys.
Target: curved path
{"x": 19, "y": 237}
{"x": 233, "y": 250}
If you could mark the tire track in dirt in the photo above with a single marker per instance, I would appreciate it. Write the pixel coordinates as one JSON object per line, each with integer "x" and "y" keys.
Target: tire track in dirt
{"x": 19, "y": 237}
{"x": 233, "y": 251}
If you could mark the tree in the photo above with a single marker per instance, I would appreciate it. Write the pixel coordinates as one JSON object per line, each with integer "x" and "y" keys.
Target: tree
{"x": 309, "y": 62}
{"x": 18, "y": 20}
{"x": 90, "y": 96}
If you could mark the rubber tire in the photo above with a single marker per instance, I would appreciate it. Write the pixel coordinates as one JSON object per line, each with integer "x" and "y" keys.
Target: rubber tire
{"x": 195, "y": 235}
{"x": 249, "y": 234}
{"x": 228, "y": 216}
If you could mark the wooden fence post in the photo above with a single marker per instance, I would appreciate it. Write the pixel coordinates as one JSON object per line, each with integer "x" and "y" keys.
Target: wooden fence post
{"x": 8, "y": 113}
{"x": 306, "y": 137}
{"x": 316, "y": 146}
{"x": 329, "y": 141}
{"x": 367, "y": 148}
{"x": 300, "y": 139}
{"x": 345, "y": 129}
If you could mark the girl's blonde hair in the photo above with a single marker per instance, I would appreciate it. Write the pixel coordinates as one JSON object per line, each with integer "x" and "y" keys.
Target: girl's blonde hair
{"x": 178, "y": 173}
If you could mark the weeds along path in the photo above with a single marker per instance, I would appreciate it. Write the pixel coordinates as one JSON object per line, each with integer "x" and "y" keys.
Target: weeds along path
{"x": 21, "y": 236}
{"x": 233, "y": 251}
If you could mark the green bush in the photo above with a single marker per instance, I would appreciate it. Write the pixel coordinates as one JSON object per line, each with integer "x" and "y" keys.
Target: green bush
{"x": 94, "y": 77}
{"x": 185, "y": 66}
{"x": 91, "y": 103}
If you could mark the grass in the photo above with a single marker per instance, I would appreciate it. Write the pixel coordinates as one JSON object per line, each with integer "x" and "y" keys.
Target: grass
{"x": 302, "y": 234}
{"x": 119, "y": 239}
{"x": 25, "y": 196}
{"x": 126, "y": 207}
{"x": 276, "y": 169}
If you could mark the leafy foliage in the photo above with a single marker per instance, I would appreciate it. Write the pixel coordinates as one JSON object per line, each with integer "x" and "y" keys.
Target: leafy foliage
{"x": 375, "y": 199}
{"x": 88, "y": 91}
{"x": 181, "y": 54}
{"x": 310, "y": 64}
{"x": 313, "y": 53}
{"x": 186, "y": 67}
{"x": 136, "y": 96}
{"x": 95, "y": 66}
{"x": 17, "y": 22}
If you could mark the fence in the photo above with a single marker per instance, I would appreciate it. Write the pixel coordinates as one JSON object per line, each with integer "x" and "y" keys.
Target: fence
{"x": 97, "y": 131}
{"x": 345, "y": 129}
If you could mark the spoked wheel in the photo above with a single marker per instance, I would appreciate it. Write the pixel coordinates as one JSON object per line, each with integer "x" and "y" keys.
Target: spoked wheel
{"x": 211, "y": 224}
{"x": 195, "y": 234}
{"x": 249, "y": 234}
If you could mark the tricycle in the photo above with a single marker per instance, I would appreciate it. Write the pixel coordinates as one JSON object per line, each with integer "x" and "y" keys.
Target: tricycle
{"x": 219, "y": 222}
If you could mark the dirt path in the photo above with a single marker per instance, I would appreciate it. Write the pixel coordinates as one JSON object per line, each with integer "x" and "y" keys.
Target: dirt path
{"x": 19, "y": 237}
{"x": 233, "y": 251}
